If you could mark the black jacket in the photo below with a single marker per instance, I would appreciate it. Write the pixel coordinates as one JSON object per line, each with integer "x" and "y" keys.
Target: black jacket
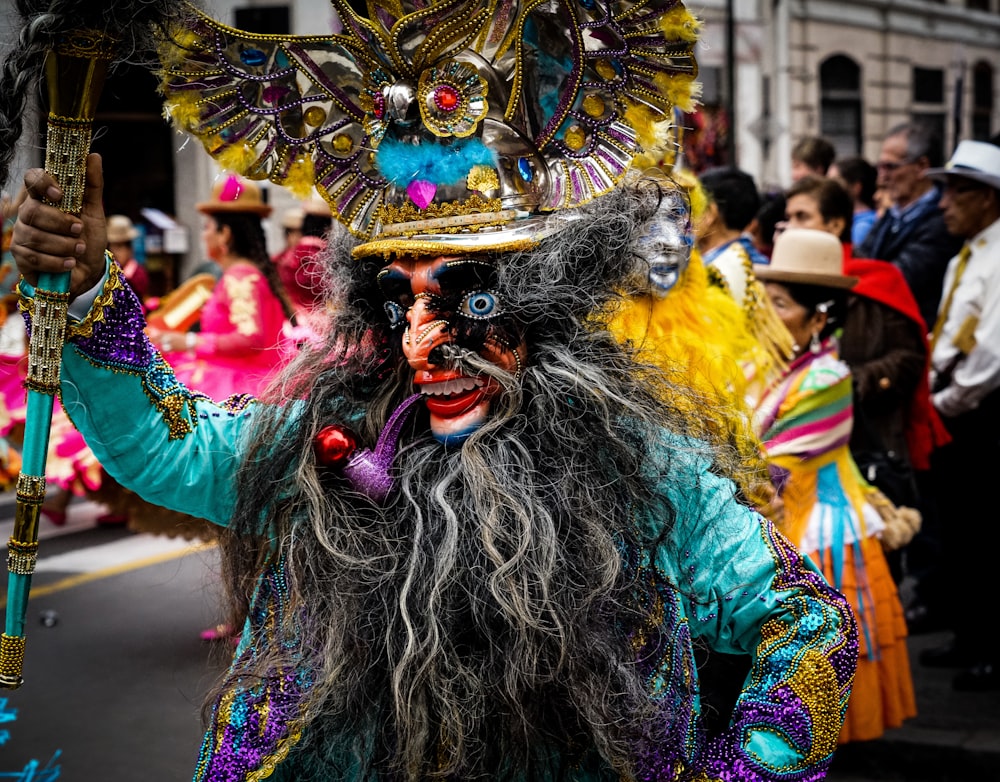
{"x": 921, "y": 248}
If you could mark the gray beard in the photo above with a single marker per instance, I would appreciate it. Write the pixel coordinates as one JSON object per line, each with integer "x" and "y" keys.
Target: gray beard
{"x": 481, "y": 620}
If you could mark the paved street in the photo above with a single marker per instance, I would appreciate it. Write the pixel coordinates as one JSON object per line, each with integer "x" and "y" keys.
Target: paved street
{"x": 113, "y": 688}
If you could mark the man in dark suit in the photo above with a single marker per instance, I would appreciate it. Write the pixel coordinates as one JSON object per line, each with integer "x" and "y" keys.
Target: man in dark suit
{"x": 911, "y": 234}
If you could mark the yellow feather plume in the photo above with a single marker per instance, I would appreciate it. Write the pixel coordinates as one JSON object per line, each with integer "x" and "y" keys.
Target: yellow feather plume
{"x": 695, "y": 335}
{"x": 300, "y": 177}
{"x": 183, "y": 111}
{"x": 175, "y": 48}
{"x": 680, "y": 24}
{"x": 682, "y": 91}
{"x": 652, "y": 131}
{"x": 236, "y": 157}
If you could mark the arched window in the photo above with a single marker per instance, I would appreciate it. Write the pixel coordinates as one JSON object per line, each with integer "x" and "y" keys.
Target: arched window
{"x": 840, "y": 104}
{"x": 982, "y": 101}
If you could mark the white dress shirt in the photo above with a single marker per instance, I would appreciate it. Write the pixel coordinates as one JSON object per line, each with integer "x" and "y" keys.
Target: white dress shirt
{"x": 975, "y": 306}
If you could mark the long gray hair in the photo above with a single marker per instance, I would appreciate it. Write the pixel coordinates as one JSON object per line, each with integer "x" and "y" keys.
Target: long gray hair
{"x": 482, "y": 624}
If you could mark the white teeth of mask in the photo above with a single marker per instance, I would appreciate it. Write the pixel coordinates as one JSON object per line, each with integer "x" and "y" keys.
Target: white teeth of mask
{"x": 446, "y": 387}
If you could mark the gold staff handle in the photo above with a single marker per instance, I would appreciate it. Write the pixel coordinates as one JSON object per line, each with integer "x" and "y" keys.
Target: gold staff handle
{"x": 75, "y": 69}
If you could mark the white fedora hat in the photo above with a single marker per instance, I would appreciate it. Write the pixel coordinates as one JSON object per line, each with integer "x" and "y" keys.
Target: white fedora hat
{"x": 978, "y": 160}
{"x": 807, "y": 256}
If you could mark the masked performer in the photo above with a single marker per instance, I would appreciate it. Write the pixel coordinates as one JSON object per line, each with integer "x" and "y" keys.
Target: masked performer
{"x": 472, "y": 536}
{"x": 679, "y": 319}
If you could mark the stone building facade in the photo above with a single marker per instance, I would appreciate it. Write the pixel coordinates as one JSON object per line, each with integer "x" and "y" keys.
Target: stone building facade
{"x": 848, "y": 71}
{"x": 773, "y": 71}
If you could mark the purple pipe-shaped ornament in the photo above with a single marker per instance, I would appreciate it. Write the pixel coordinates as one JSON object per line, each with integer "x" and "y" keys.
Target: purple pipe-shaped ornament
{"x": 368, "y": 471}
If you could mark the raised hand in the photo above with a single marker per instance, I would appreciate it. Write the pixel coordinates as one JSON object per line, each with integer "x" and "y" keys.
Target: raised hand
{"x": 46, "y": 239}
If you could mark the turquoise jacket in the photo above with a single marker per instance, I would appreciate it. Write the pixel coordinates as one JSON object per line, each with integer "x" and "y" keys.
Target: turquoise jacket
{"x": 741, "y": 588}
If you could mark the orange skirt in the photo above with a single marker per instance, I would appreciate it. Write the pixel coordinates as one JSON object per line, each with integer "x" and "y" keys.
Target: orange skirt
{"x": 883, "y": 686}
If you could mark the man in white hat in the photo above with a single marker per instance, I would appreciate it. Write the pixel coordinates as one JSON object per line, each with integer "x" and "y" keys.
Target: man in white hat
{"x": 965, "y": 377}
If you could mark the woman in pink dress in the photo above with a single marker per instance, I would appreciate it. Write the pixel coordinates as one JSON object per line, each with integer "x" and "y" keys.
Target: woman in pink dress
{"x": 237, "y": 348}
{"x": 239, "y": 345}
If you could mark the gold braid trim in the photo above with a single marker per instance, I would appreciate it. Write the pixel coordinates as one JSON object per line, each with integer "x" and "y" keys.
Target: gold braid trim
{"x": 765, "y": 323}
{"x": 715, "y": 278}
{"x": 274, "y": 760}
{"x": 173, "y": 407}
{"x": 85, "y": 328}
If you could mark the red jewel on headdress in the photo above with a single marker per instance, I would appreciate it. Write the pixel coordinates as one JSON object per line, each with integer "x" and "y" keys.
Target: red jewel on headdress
{"x": 334, "y": 445}
{"x": 446, "y": 97}
{"x": 378, "y": 105}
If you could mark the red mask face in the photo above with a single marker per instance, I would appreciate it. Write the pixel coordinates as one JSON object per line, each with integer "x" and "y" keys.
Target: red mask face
{"x": 431, "y": 299}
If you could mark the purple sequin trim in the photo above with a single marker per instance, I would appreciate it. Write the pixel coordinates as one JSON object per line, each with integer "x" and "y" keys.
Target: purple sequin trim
{"x": 118, "y": 338}
{"x": 114, "y": 337}
{"x": 344, "y": 199}
{"x": 579, "y": 188}
{"x": 616, "y": 132}
{"x": 252, "y": 720}
{"x": 614, "y": 164}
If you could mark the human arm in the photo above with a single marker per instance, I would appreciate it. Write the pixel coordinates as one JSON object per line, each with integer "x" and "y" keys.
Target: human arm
{"x": 976, "y": 374}
{"x": 173, "y": 447}
{"x": 744, "y": 589}
{"x": 147, "y": 430}
{"x": 888, "y": 357}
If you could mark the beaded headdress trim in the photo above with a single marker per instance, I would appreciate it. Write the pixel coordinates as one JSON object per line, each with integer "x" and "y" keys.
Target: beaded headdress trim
{"x": 448, "y": 123}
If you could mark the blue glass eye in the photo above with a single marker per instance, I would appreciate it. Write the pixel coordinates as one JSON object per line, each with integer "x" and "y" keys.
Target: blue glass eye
{"x": 253, "y": 57}
{"x": 395, "y": 312}
{"x": 524, "y": 169}
{"x": 480, "y": 304}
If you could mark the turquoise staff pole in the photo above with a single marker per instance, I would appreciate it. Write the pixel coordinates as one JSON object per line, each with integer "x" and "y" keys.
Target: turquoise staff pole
{"x": 75, "y": 69}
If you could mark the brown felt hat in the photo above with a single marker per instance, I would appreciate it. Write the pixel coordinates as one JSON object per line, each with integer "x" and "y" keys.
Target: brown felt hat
{"x": 235, "y": 194}
{"x": 807, "y": 256}
{"x": 121, "y": 230}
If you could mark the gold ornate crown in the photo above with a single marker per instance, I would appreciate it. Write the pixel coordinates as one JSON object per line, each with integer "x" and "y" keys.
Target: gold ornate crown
{"x": 446, "y": 125}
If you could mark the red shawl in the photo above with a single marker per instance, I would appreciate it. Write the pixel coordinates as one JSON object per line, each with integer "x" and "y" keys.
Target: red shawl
{"x": 883, "y": 282}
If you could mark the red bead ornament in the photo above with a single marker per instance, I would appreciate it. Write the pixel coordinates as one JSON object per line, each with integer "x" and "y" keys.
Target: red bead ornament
{"x": 334, "y": 445}
{"x": 446, "y": 98}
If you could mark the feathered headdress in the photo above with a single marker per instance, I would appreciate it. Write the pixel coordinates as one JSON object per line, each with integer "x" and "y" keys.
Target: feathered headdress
{"x": 441, "y": 125}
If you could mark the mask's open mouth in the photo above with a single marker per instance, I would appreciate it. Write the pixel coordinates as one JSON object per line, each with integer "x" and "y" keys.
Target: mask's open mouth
{"x": 449, "y": 398}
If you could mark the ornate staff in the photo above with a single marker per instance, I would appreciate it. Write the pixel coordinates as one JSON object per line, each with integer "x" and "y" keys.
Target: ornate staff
{"x": 75, "y": 69}
{"x": 75, "y": 65}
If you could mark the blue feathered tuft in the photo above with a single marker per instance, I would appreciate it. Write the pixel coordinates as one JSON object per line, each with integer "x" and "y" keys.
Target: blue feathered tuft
{"x": 442, "y": 164}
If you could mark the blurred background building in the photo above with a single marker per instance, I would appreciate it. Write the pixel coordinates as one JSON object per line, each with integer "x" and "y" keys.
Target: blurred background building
{"x": 777, "y": 70}
{"x": 772, "y": 71}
